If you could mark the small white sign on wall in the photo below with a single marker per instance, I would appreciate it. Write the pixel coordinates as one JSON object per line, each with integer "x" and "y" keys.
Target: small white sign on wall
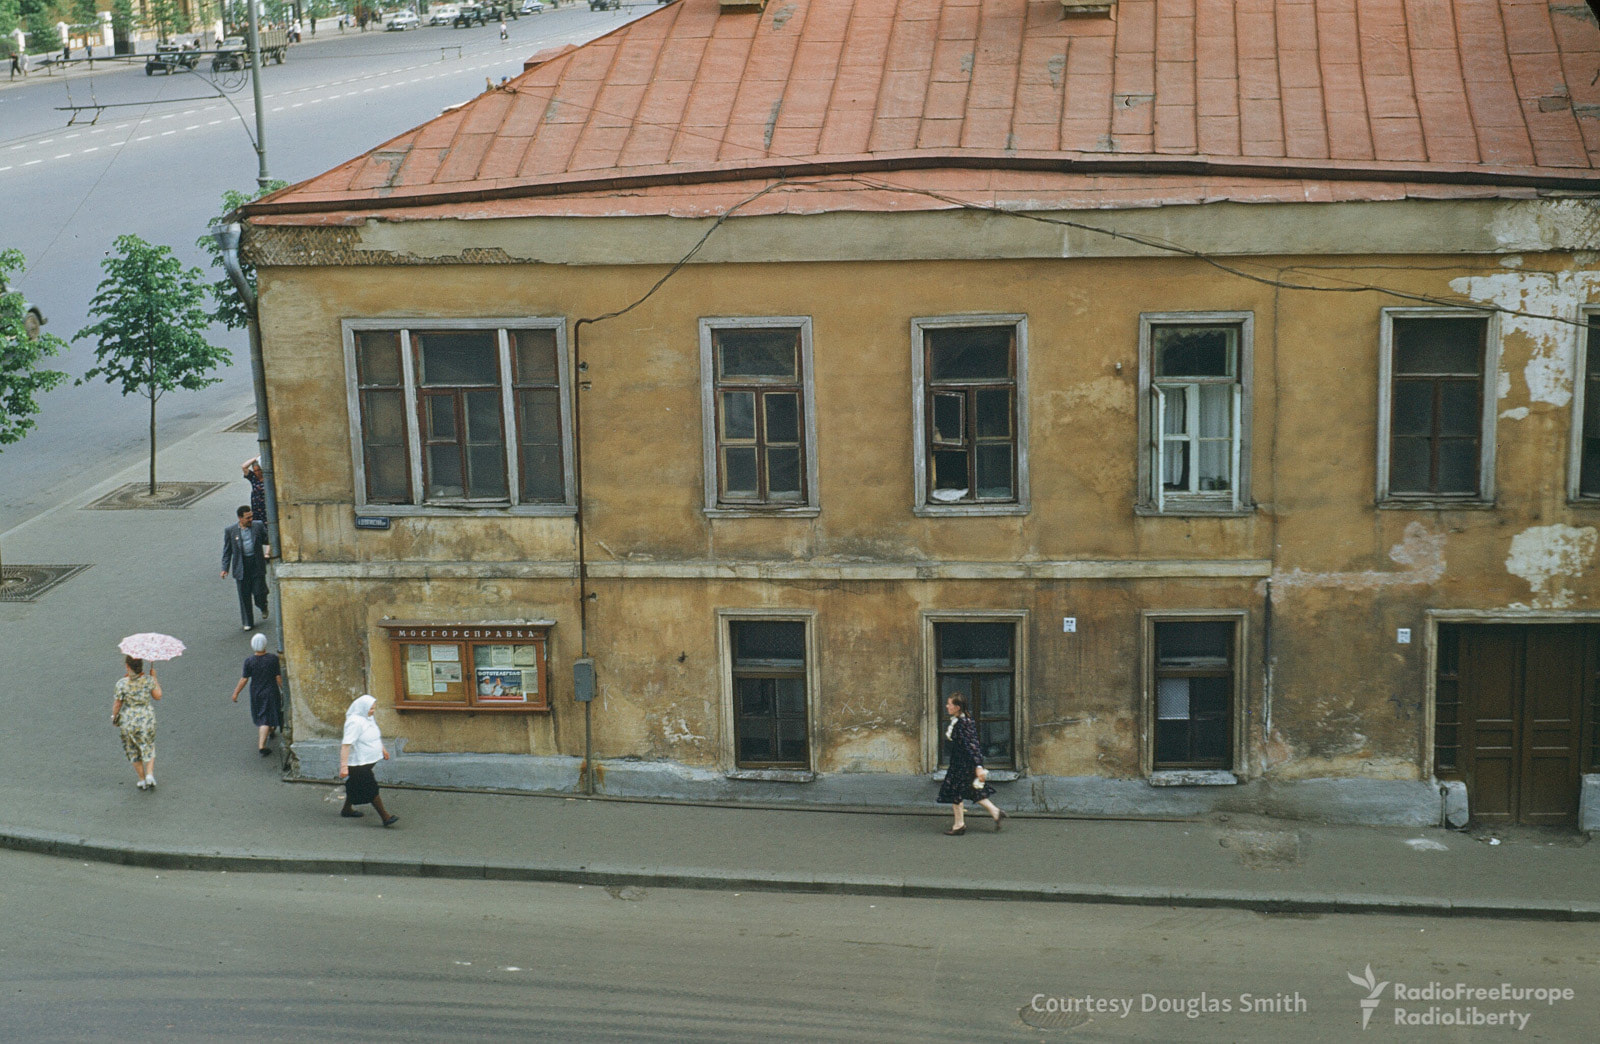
{"x": 1069, "y": 625}
{"x": 1402, "y": 636}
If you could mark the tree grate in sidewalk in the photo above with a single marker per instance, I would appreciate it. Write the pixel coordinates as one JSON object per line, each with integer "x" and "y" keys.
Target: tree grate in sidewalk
{"x": 169, "y": 495}
{"x": 27, "y": 582}
{"x": 248, "y": 424}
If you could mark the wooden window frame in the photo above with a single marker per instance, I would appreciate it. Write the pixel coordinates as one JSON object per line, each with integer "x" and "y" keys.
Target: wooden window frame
{"x": 922, "y": 427}
{"x": 1152, "y": 499}
{"x": 1488, "y": 401}
{"x": 808, "y": 506}
{"x": 933, "y": 706}
{"x": 728, "y": 739}
{"x": 508, "y": 386}
{"x": 466, "y": 638}
{"x": 1237, "y": 706}
{"x": 1586, "y": 342}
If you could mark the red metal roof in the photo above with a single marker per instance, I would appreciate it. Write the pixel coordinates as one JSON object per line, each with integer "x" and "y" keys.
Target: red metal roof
{"x": 1217, "y": 94}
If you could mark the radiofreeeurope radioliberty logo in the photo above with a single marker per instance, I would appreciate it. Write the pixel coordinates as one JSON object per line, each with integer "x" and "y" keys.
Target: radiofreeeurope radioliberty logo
{"x": 1420, "y": 1004}
{"x": 1374, "y": 989}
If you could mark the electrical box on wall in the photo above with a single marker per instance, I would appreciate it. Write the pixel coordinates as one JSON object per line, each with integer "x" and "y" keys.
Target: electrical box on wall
{"x": 583, "y": 680}
{"x": 1402, "y": 636}
{"x": 1069, "y": 625}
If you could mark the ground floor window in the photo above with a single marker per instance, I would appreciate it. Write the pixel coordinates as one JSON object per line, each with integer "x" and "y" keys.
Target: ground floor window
{"x": 977, "y": 661}
{"x": 771, "y": 729}
{"x": 1193, "y": 667}
{"x": 470, "y": 667}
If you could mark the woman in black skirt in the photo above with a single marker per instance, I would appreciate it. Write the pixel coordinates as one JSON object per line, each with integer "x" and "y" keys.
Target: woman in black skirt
{"x": 965, "y": 777}
{"x": 361, "y": 749}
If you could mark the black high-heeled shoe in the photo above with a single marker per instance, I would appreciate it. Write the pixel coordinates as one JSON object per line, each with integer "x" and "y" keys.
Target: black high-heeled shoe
{"x": 955, "y": 831}
{"x": 997, "y": 819}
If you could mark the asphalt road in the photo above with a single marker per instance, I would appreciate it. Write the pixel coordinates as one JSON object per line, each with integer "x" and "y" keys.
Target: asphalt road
{"x": 156, "y": 164}
{"x": 93, "y": 951}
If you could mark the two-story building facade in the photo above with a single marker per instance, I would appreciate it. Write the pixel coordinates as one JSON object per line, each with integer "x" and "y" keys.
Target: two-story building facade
{"x": 1201, "y": 389}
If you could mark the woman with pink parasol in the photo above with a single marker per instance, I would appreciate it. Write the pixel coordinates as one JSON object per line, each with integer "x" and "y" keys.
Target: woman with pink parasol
{"x": 133, "y": 710}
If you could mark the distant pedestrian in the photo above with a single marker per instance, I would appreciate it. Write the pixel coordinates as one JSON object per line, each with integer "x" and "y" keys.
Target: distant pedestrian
{"x": 258, "y": 488}
{"x": 966, "y": 778}
{"x": 263, "y": 672}
{"x": 17, "y": 64}
{"x": 244, "y": 553}
{"x": 361, "y": 749}
{"x": 133, "y": 712}
{"x": 504, "y": 35}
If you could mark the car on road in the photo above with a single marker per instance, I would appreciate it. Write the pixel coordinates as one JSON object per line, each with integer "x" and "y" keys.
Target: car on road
{"x": 400, "y": 21}
{"x": 170, "y": 60}
{"x": 605, "y": 5}
{"x": 531, "y": 7}
{"x": 443, "y": 14}
{"x": 231, "y": 55}
{"x": 469, "y": 15}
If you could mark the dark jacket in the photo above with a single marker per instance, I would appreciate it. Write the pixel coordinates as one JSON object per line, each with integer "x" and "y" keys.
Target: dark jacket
{"x": 233, "y": 548}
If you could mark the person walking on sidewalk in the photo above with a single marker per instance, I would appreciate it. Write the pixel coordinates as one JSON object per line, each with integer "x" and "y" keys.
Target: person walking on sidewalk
{"x": 361, "y": 749}
{"x": 966, "y": 777}
{"x": 245, "y": 553}
{"x": 264, "y": 674}
{"x": 19, "y": 64}
{"x": 133, "y": 712}
{"x": 258, "y": 489}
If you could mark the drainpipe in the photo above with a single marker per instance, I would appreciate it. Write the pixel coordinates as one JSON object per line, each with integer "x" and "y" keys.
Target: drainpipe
{"x": 227, "y": 238}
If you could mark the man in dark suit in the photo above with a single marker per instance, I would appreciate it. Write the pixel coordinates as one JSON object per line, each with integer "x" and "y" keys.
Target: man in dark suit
{"x": 245, "y": 553}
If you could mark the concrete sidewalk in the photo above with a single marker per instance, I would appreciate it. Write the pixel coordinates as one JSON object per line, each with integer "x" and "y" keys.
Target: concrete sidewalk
{"x": 68, "y": 790}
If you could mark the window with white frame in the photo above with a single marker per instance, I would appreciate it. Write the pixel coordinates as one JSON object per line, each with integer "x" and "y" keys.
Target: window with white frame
{"x": 1586, "y": 419}
{"x": 759, "y": 425}
{"x": 459, "y": 413}
{"x": 1436, "y": 410}
{"x": 971, "y": 414}
{"x": 1195, "y": 372}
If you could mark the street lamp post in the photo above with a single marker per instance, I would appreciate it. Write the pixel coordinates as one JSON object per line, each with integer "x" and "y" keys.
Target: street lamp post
{"x": 262, "y": 178}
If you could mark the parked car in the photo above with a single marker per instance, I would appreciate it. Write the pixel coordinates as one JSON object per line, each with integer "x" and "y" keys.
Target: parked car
{"x": 169, "y": 61}
{"x": 605, "y": 5}
{"x": 468, "y": 16}
{"x": 443, "y": 14}
{"x": 400, "y": 21}
{"x": 531, "y": 7}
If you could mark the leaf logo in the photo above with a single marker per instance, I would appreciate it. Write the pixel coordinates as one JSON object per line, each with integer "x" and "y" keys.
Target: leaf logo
{"x": 1369, "y": 1003}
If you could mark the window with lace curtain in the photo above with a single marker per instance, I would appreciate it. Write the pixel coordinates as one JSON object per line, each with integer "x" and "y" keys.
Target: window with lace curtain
{"x": 1194, "y": 373}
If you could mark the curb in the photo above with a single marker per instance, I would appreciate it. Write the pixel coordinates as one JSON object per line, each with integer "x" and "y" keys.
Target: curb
{"x": 702, "y": 879}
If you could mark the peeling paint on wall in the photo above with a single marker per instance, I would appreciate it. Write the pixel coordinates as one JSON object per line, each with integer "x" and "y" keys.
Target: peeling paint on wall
{"x": 1549, "y": 558}
{"x": 1420, "y": 552}
{"x": 1548, "y": 372}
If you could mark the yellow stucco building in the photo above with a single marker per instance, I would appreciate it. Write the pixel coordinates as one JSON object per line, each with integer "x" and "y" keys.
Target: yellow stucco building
{"x": 1202, "y": 403}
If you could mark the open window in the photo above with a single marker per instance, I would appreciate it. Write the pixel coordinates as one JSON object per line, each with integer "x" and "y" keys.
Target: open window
{"x": 1194, "y": 370}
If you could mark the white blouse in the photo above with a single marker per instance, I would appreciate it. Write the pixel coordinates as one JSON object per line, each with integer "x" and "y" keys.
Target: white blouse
{"x": 366, "y": 742}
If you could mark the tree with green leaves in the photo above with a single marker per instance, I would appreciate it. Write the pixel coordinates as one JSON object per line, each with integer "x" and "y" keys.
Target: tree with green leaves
{"x": 152, "y": 327}
{"x": 84, "y": 12}
{"x": 231, "y": 310}
{"x": 22, "y": 350}
{"x": 168, "y": 17}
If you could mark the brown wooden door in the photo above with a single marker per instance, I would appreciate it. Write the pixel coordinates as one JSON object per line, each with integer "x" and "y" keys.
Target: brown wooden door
{"x": 1522, "y": 698}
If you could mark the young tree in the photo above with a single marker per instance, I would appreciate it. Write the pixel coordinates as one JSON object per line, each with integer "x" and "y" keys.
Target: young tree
{"x": 152, "y": 327}
{"x": 22, "y": 349}
{"x": 231, "y": 311}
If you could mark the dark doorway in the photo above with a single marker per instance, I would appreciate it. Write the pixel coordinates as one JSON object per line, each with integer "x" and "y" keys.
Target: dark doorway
{"x": 1514, "y": 712}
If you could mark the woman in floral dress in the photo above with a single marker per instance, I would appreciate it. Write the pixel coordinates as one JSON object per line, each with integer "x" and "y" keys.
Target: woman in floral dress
{"x": 134, "y": 712}
{"x": 965, "y": 778}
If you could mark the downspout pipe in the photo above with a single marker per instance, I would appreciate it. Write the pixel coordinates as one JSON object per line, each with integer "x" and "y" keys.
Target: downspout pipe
{"x": 228, "y": 238}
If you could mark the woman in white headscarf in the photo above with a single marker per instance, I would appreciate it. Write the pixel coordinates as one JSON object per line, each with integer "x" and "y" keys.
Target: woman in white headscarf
{"x": 264, "y": 674}
{"x": 361, "y": 749}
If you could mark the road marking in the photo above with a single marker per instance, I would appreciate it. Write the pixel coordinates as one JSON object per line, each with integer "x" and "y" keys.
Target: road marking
{"x": 46, "y": 141}
{"x": 93, "y": 148}
{"x": 278, "y": 109}
{"x": 147, "y": 137}
{"x": 32, "y": 162}
{"x": 296, "y": 105}
{"x": 192, "y": 126}
{"x": 165, "y": 133}
{"x": 69, "y": 137}
{"x": 213, "y": 123}
{"x": 5, "y": 168}
{"x": 64, "y": 155}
